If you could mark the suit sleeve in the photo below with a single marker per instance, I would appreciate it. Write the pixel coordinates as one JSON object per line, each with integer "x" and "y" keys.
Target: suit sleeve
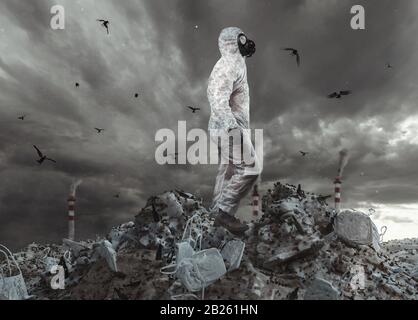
{"x": 220, "y": 89}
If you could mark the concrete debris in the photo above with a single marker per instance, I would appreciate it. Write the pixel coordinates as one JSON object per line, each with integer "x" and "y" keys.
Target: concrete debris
{"x": 357, "y": 228}
{"x": 106, "y": 251}
{"x": 321, "y": 289}
{"x": 232, "y": 254}
{"x": 298, "y": 249}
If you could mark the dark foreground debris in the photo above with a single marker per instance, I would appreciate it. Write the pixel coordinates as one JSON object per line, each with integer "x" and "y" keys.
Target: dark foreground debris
{"x": 299, "y": 249}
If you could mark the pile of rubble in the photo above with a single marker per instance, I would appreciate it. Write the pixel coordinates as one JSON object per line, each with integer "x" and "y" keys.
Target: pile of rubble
{"x": 299, "y": 249}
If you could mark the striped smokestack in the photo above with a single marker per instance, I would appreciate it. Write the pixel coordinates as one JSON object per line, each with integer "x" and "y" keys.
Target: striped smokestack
{"x": 71, "y": 209}
{"x": 256, "y": 201}
{"x": 337, "y": 183}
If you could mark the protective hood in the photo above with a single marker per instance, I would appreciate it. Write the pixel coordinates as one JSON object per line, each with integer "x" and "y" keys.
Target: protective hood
{"x": 228, "y": 41}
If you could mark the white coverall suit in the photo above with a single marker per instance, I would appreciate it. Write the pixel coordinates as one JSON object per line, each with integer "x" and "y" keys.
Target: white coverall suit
{"x": 229, "y": 98}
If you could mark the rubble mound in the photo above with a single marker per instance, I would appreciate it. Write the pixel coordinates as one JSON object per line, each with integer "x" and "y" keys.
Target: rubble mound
{"x": 299, "y": 249}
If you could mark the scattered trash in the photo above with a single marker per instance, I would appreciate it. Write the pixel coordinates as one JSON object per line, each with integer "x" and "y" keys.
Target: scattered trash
{"x": 299, "y": 248}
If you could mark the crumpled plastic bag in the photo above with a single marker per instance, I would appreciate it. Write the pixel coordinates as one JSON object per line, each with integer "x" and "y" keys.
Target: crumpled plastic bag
{"x": 183, "y": 251}
{"x": 12, "y": 287}
{"x": 356, "y": 228}
{"x": 201, "y": 270}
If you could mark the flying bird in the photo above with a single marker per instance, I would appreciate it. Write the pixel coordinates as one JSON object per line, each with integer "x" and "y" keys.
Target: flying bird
{"x": 99, "y": 130}
{"x": 77, "y": 84}
{"x": 136, "y": 95}
{"x": 105, "y": 23}
{"x": 193, "y": 109}
{"x": 339, "y": 95}
{"x": 117, "y": 196}
{"x": 294, "y": 52}
{"x": 42, "y": 157}
{"x": 304, "y": 154}
{"x": 389, "y": 66}
{"x": 22, "y": 117}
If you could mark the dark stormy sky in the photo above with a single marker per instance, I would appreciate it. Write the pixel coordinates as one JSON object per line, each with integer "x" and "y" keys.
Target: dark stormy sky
{"x": 165, "y": 50}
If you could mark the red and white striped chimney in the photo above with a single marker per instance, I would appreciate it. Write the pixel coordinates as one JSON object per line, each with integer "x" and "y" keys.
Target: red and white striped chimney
{"x": 71, "y": 210}
{"x": 256, "y": 201}
{"x": 337, "y": 190}
{"x": 337, "y": 183}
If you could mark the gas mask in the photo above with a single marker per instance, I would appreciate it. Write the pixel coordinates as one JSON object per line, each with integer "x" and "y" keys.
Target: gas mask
{"x": 246, "y": 46}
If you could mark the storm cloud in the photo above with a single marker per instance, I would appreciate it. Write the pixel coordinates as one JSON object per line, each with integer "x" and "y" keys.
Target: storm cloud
{"x": 165, "y": 51}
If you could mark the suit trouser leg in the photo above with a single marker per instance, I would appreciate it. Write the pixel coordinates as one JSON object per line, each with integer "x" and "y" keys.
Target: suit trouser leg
{"x": 236, "y": 179}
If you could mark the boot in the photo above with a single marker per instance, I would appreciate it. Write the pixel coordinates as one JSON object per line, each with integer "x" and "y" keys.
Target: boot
{"x": 230, "y": 223}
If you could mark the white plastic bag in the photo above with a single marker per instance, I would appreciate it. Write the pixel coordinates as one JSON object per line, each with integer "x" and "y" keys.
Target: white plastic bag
{"x": 12, "y": 287}
{"x": 201, "y": 270}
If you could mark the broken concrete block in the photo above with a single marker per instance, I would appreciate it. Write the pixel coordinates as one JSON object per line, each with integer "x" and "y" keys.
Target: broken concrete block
{"x": 356, "y": 228}
{"x": 293, "y": 254}
{"x": 107, "y": 252}
{"x": 232, "y": 254}
{"x": 75, "y": 247}
{"x": 321, "y": 289}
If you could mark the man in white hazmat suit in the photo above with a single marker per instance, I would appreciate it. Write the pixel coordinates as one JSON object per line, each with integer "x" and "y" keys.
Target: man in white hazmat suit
{"x": 229, "y": 98}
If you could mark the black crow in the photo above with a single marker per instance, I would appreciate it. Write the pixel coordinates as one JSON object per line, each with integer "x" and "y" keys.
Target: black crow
{"x": 295, "y": 53}
{"x": 105, "y": 23}
{"x": 193, "y": 109}
{"x": 42, "y": 157}
{"x": 338, "y": 95}
{"x": 22, "y": 117}
{"x": 304, "y": 154}
{"x": 99, "y": 130}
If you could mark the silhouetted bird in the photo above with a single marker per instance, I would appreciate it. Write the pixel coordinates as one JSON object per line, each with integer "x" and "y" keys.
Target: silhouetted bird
{"x": 77, "y": 84}
{"x": 105, "y": 23}
{"x": 136, "y": 95}
{"x": 389, "y": 66}
{"x": 294, "y": 52}
{"x": 99, "y": 130}
{"x": 22, "y": 117}
{"x": 338, "y": 95}
{"x": 193, "y": 109}
{"x": 117, "y": 196}
{"x": 42, "y": 157}
{"x": 304, "y": 154}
